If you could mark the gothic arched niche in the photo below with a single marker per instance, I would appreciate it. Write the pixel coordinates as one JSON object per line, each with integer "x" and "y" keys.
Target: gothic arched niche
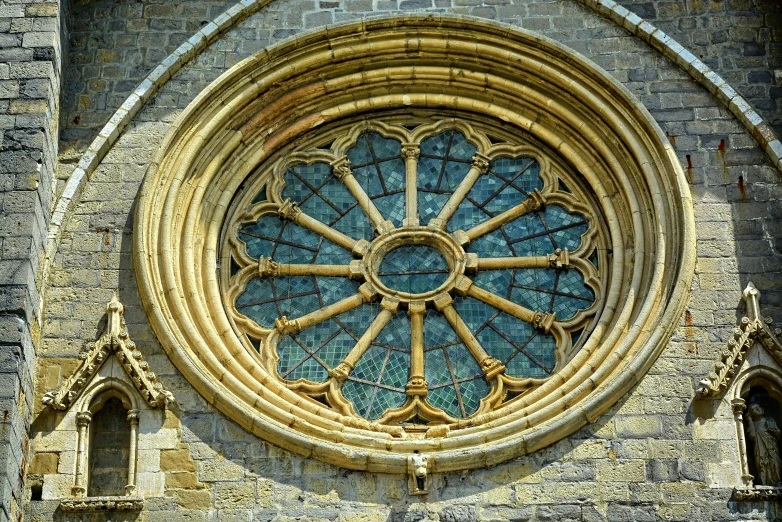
{"x": 403, "y": 82}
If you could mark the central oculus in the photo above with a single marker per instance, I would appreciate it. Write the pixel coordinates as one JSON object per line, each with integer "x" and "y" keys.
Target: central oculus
{"x": 414, "y": 269}
{"x": 414, "y": 263}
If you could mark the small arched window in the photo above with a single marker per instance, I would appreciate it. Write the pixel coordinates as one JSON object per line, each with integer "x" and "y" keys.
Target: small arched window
{"x": 109, "y": 454}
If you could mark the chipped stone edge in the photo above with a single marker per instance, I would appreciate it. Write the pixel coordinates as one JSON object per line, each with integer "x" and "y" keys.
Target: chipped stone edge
{"x": 111, "y": 132}
{"x": 191, "y": 48}
{"x": 713, "y": 82}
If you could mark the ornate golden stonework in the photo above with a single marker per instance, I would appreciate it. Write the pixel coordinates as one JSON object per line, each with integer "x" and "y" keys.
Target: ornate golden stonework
{"x": 272, "y": 146}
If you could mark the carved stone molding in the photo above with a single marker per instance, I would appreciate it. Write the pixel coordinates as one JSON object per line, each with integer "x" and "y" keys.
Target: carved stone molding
{"x": 102, "y": 504}
{"x": 751, "y": 329}
{"x": 114, "y": 341}
{"x": 757, "y": 494}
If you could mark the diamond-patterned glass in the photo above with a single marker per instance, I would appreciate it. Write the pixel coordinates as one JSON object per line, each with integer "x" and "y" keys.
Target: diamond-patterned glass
{"x": 378, "y": 381}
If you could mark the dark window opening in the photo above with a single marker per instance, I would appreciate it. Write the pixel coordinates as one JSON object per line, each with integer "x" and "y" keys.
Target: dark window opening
{"x": 109, "y": 450}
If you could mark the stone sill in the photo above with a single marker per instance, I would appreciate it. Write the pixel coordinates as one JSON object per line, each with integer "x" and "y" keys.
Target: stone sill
{"x": 757, "y": 493}
{"x": 102, "y": 504}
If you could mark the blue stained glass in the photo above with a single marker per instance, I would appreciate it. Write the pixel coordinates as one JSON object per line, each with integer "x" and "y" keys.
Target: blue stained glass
{"x": 524, "y": 227}
{"x": 523, "y": 367}
{"x": 523, "y": 172}
{"x": 357, "y": 320}
{"x": 290, "y": 355}
{"x": 392, "y": 207}
{"x": 338, "y": 195}
{"x": 495, "y": 281}
{"x": 393, "y": 174}
{"x": 536, "y": 246}
{"x": 437, "y": 330}
{"x": 570, "y": 238}
{"x": 309, "y": 369}
{"x": 332, "y": 254}
{"x": 472, "y": 392}
{"x": 368, "y": 179}
{"x": 299, "y": 178}
{"x": 461, "y": 148}
{"x": 541, "y": 350}
{"x": 557, "y": 217}
{"x": 517, "y": 330}
{"x": 317, "y": 208}
{"x": 532, "y": 299}
{"x": 430, "y": 204}
{"x": 495, "y": 344}
{"x": 429, "y": 170}
{"x": 485, "y": 187}
{"x": 463, "y": 364}
{"x": 256, "y": 246}
{"x": 535, "y": 278}
{"x": 333, "y": 289}
{"x": 436, "y": 145}
{"x": 572, "y": 282}
{"x": 474, "y": 312}
{"x": 369, "y": 366}
{"x": 355, "y": 224}
{"x": 491, "y": 245}
{"x": 359, "y": 394}
{"x": 453, "y": 175}
{"x": 384, "y": 147}
{"x": 508, "y": 198}
{"x": 466, "y": 217}
{"x": 385, "y": 399}
{"x": 436, "y": 370}
{"x": 360, "y": 153}
{"x": 397, "y": 370}
{"x": 414, "y": 269}
{"x": 445, "y": 399}
{"x": 336, "y": 349}
{"x": 396, "y": 333}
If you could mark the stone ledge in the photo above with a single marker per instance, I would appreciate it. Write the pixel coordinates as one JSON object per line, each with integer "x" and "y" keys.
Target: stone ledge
{"x": 102, "y": 504}
{"x": 757, "y": 493}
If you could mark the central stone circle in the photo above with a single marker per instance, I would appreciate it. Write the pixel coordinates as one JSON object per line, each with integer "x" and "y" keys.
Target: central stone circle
{"x": 414, "y": 269}
{"x": 414, "y": 263}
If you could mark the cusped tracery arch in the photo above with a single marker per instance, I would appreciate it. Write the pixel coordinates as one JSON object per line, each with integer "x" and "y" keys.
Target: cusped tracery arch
{"x": 371, "y": 169}
{"x": 416, "y": 271}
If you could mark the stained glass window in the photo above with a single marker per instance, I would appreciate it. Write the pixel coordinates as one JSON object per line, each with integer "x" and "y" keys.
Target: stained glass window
{"x": 416, "y": 273}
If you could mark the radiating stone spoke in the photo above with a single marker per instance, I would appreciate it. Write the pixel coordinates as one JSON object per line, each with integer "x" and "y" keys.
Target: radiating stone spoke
{"x": 417, "y": 384}
{"x": 269, "y": 268}
{"x": 411, "y": 153}
{"x": 290, "y": 211}
{"x": 534, "y": 201}
{"x": 491, "y": 367}
{"x": 480, "y": 164}
{"x": 365, "y": 294}
{"x": 342, "y": 171}
{"x": 389, "y": 307}
{"x": 559, "y": 259}
{"x": 539, "y": 320}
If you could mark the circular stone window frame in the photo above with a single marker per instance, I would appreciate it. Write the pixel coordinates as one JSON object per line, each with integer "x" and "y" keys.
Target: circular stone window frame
{"x": 519, "y": 79}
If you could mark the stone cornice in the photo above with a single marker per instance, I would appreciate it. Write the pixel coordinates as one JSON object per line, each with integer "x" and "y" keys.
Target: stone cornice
{"x": 102, "y": 504}
{"x": 751, "y": 329}
{"x": 113, "y": 341}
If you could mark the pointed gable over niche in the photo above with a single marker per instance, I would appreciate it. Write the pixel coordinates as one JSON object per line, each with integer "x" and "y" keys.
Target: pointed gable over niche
{"x": 752, "y": 328}
{"x": 113, "y": 342}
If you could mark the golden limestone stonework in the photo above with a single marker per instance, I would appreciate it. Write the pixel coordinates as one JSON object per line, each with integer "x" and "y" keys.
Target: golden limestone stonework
{"x": 398, "y": 252}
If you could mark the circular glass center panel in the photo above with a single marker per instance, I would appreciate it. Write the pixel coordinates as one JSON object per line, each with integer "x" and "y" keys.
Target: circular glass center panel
{"x": 413, "y": 269}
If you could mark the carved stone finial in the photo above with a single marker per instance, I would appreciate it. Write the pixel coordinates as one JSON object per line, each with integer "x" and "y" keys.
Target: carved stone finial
{"x": 480, "y": 162}
{"x": 410, "y": 152}
{"x": 285, "y": 326}
{"x": 543, "y": 321}
{"x": 289, "y": 210}
{"x": 341, "y": 167}
{"x": 267, "y": 267}
{"x": 559, "y": 259}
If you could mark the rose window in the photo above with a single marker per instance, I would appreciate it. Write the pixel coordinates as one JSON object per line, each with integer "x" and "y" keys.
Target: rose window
{"x": 416, "y": 273}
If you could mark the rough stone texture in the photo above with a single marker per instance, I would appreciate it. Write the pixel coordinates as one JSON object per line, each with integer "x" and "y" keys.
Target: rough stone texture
{"x": 740, "y": 39}
{"x": 652, "y": 456}
{"x": 30, "y": 65}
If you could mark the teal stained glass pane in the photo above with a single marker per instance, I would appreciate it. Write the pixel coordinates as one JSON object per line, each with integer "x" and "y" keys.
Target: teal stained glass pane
{"x": 436, "y": 368}
{"x": 357, "y": 320}
{"x": 524, "y": 227}
{"x": 535, "y": 246}
{"x": 445, "y": 399}
{"x": 485, "y": 187}
{"x": 360, "y": 154}
{"x": 532, "y": 299}
{"x": 396, "y": 333}
{"x": 463, "y": 363}
{"x": 397, "y": 370}
{"x": 383, "y": 148}
{"x": 414, "y": 269}
{"x": 523, "y": 366}
{"x": 572, "y": 282}
{"x": 541, "y": 351}
{"x": 437, "y": 145}
{"x": 466, "y": 217}
{"x": 300, "y": 180}
{"x": 290, "y": 355}
{"x": 437, "y": 330}
{"x": 370, "y": 365}
{"x": 384, "y": 400}
{"x": 369, "y": 180}
{"x": 429, "y": 171}
{"x": 314, "y": 337}
{"x": 333, "y": 289}
{"x": 337, "y": 195}
{"x": 309, "y": 369}
{"x": 473, "y": 312}
{"x": 506, "y": 199}
{"x": 336, "y": 349}
{"x": 491, "y": 245}
{"x": 453, "y": 175}
{"x": 461, "y": 148}
{"x": 472, "y": 392}
{"x": 392, "y": 207}
{"x": 523, "y": 173}
{"x": 430, "y": 204}
{"x": 535, "y": 278}
{"x": 359, "y": 394}
{"x": 495, "y": 281}
{"x": 393, "y": 174}
{"x": 495, "y": 344}
{"x": 355, "y": 224}
{"x": 332, "y": 254}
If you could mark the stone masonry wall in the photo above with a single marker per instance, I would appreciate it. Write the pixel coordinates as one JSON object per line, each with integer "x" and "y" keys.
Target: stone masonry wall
{"x": 30, "y": 68}
{"x": 655, "y": 455}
